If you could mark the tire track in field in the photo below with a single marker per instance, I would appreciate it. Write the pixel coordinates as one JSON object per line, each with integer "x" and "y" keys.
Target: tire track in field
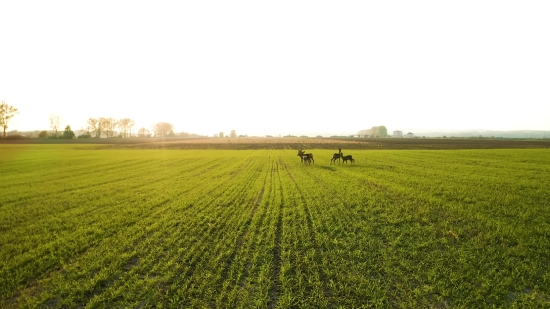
{"x": 245, "y": 228}
{"x": 322, "y": 276}
{"x": 327, "y": 188}
{"x": 248, "y": 266}
{"x": 196, "y": 258}
{"x": 274, "y": 291}
{"x": 240, "y": 270}
{"x": 257, "y": 233}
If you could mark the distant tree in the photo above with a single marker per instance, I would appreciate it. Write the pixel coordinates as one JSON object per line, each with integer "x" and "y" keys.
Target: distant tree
{"x": 43, "y": 134}
{"x": 125, "y": 125}
{"x": 94, "y": 126}
{"x": 131, "y": 127}
{"x": 220, "y": 134}
{"x": 108, "y": 125}
{"x": 374, "y": 131}
{"x": 233, "y": 133}
{"x": 68, "y": 133}
{"x": 142, "y": 132}
{"x": 55, "y": 123}
{"x": 163, "y": 129}
{"x": 382, "y": 131}
{"x": 7, "y": 112}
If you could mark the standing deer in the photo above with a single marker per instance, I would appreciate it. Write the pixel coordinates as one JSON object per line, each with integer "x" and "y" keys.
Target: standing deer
{"x": 306, "y": 157}
{"x": 336, "y": 156}
{"x": 346, "y": 158}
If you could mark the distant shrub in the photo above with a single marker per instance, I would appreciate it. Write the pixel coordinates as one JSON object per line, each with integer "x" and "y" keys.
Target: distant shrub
{"x": 43, "y": 134}
{"x": 85, "y": 135}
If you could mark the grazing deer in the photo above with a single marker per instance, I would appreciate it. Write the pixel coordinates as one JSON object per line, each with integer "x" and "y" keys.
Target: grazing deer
{"x": 306, "y": 157}
{"x": 346, "y": 158}
{"x": 336, "y": 156}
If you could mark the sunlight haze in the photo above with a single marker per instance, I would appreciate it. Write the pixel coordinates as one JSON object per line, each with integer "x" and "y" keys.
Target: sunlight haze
{"x": 281, "y": 67}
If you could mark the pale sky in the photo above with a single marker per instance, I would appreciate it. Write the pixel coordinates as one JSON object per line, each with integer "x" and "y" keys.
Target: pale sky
{"x": 279, "y": 67}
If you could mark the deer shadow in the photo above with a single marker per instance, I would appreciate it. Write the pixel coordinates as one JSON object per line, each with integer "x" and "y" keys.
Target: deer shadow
{"x": 329, "y": 168}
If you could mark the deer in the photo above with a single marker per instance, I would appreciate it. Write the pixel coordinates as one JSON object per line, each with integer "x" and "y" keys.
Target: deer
{"x": 305, "y": 157}
{"x": 336, "y": 156}
{"x": 346, "y": 158}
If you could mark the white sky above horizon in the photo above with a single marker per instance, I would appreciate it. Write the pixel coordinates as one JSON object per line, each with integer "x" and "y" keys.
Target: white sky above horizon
{"x": 281, "y": 67}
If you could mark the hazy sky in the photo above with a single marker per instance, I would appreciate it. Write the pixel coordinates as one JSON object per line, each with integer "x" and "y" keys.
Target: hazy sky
{"x": 279, "y": 67}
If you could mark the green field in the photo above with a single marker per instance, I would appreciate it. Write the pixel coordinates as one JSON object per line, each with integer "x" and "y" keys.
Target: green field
{"x": 95, "y": 228}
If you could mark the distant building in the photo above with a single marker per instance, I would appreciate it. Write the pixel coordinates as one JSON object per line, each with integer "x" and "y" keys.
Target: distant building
{"x": 409, "y": 135}
{"x": 397, "y": 133}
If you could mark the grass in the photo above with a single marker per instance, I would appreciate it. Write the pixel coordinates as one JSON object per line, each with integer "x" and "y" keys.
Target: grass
{"x": 227, "y": 228}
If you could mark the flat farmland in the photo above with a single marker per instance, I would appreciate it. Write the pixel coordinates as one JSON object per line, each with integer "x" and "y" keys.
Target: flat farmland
{"x": 82, "y": 226}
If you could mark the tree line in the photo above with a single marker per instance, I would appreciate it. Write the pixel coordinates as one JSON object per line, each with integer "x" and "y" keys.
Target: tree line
{"x": 103, "y": 125}
{"x": 95, "y": 127}
{"x": 107, "y": 126}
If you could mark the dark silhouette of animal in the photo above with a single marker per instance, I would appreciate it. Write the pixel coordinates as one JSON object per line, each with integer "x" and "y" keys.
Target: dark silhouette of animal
{"x": 348, "y": 158}
{"x": 336, "y": 156}
{"x": 306, "y": 157}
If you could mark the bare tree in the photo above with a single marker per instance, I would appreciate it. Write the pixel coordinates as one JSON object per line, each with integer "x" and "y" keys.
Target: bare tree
{"x": 123, "y": 124}
{"x": 233, "y": 133}
{"x": 55, "y": 123}
{"x": 131, "y": 127}
{"x": 108, "y": 125}
{"x": 94, "y": 125}
{"x": 6, "y": 114}
{"x": 163, "y": 129}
